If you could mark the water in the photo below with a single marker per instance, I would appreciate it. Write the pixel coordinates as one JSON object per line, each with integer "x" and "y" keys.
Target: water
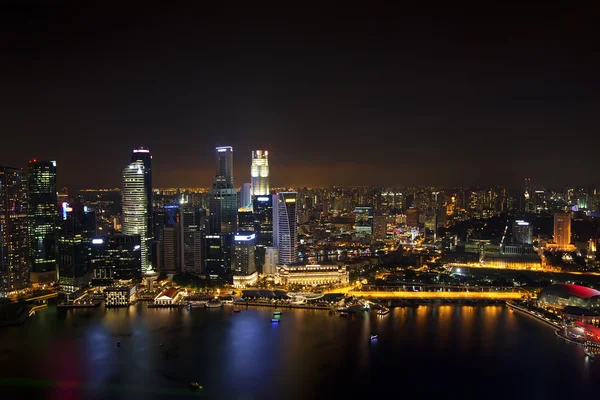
{"x": 427, "y": 351}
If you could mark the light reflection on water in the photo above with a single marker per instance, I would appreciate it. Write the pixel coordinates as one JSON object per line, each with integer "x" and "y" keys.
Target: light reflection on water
{"x": 309, "y": 354}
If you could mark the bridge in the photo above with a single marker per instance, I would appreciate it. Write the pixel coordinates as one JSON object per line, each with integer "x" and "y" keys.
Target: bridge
{"x": 42, "y": 297}
{"x": 471, "y": 293}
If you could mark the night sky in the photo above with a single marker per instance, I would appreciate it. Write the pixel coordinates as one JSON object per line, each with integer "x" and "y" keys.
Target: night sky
{"x": 341, "y": 96}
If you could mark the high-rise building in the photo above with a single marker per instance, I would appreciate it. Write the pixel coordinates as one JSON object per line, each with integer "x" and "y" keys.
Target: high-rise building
{"x": 562, "y": 229}
{"x": 522, "y": 232}
{"x": 259, "y": 173}
{"x": 263, "y": 219}
{"x": 135, "y": 213}
{"x": 223, "y": 196}
{"x": 412, "y": 217}
{"x": 114, "y": 258}
{"x": 285, "y": 231}
{"x": 243, "y": 262}
{"x": 363, "y": 222}
{"x": 215, "y": 262}
{"x": 43, "y": 220}
{"x": 14, "y": 267}
{"x": 143, "y": 154}
{"x": 246, "y": 220}
{"x": 271, "y": 261}
{"x": 171, "y": 249}
{"x": 191, "y": 222}
{"x": 245, "y": 198}
{"x": 77, "y": 230}
{"x": 379, "y": 227}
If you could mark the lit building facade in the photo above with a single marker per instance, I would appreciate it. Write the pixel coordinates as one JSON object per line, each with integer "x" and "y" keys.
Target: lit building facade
{"x": 245, "y": 196}
{"x": 243, "y": 262}
{"x": 114, "y": 258}
{"x": 223, "y": 203}
{"x": 43, "y": 220}
{"x": 271, "y": 260}
{"x": 14, "y": 267}
{"x": 259, "y": 173}
{"x": 285, "y": 231}
{"x": 143, "y": 154}
{"x": 562, "y": 230}
{"x": 363, "y": 220}
{"x": 120, "y": 296}
{"x": 214, "y": 258}
{"x": 522, "y": 232}
{"x": 263, "y": 219}
{"x": 313, "y": 275}
{"x": 135, "y": 210}
{"x": 191, "y": 221}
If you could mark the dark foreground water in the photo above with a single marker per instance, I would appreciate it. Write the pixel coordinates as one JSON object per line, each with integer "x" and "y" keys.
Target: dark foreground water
{"x": 445, "y": 352}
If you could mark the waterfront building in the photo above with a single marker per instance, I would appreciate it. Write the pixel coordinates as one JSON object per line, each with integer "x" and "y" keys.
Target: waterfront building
{"x": 263, "y": 219}
{"x": 243, "y": 281}
{"x": 14, "y": 250}
{"x": 243, "y": 262}
{"x": 77, "y": 229}
{"x": 135, "y": 210}
{"x": 120, "y": 296}
{"x": 313, "y": 275}
{"x": 562, "y": 230}
{"x": 363, "y": 219}
{"x": 223, "y": 204}
{"x": 271, "y": 261}
{"x": 42, "y": 220}
{"x": 259, "y": 173}
{"x": 215, "y": 263}
{"x": 577, "y": 302}
{"x": 285, "y": 231}
{"x": 522, "y": 232}
{"x": 114, "y": 258}
{"x": 191, "y": 222}
{"x": 168, "y": 296}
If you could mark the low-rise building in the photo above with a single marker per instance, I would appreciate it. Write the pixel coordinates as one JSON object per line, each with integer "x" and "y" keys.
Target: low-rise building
{"x": 168, "y": 296}
{"x": 120, "y": 296}
{"x": 313, "y": 274}
{"x": 243, "y": 281}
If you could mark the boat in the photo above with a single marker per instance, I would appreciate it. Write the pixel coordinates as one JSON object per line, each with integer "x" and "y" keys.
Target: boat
{"x": 344, "y": 314}
{"x": 119, "y": 343}
{"x": 237, "y": 311}
{"x": 383, "y": 312}
{"x": 195, "y": 385}
{"x": 214, "y": 304}
{"x": 276, "y": 316}
{"x": 589, "y": 354}
{"x": 373, "y": 337}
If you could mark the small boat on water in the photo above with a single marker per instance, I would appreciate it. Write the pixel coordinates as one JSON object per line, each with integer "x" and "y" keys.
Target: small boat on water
{"x": 277, "y": 313}
{"x": 237, "y": 311}
{"x": 373, "y": 337}
{"x": 344, "y": 314}
{"x": 276, "y": 316}
{"x": 589, "y": 354}
{"x": 195, "y": 385}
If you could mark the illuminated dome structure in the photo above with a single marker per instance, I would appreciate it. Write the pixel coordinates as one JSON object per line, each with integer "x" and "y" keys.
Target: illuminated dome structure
{"x": 563, "y": 295}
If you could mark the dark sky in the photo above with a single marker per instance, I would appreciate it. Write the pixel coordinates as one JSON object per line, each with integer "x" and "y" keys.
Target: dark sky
{"x": 341, "y": 96}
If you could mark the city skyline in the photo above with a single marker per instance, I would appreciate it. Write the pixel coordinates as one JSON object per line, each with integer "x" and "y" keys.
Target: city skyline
{"x": 458, "y": 99}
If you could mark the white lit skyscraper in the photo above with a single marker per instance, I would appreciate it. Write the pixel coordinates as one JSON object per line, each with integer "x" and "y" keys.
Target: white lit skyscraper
{"x": 259, "y": 173}
{"x": 285, "y": 231}
{"x": 135, "y": 209}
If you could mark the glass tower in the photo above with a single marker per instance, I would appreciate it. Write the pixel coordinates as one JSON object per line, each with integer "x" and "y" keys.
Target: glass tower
{"x": 259, "y": 173}
{"x": 14, "y": 268}
{"x": 135, "y": 213}
{"x": 223, "y": 196}
{"x": 285, "y": 231}
{"x": 42, "y": 219}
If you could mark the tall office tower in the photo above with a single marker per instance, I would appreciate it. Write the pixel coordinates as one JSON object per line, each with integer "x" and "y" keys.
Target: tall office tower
{"x": 114, "y": 258}
{"x": 215, "y": 263}
{"x": 43, "y": 220}
{"x": 363, "y": 222}
{"x": 528, "y": 196}
{"x": 259, "y": 173}
{"x": 245, "y": 220}
{"x": 143, "y": 154}
{"x": 77, "y": 229}
{"x": 285, "y": 231}
{"x": 379, "y": 227}
{"x": 191, "y": 240}
{"x": 245, "y": 198}
{"x": 562, "y": 229}
{"x": 14, "y": 267}
{"x": 522, "y": 232}
{"x": 271, "y": 261}
{"x": 223, "y": 196}
{"x": 412, "y": 217}
{"x": 243, "y": 262}
{"x": 134, "y": 202}
{"x": 263, "y": 219}
{"x": 171, "y": 248}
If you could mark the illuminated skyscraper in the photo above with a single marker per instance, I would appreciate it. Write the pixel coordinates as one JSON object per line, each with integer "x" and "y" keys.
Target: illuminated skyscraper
{"x": 191, "y": 242}
{"x": 14, "y": 268}
{"x": 223, "y": 205}
{"x": 363, "y": 219}
{"x": 259, "y": 173}
{"x": 245, "y": 197}
{"x": 243, "y": 262}
{"x": 143, "y": 154}
{"x": 562, "y": 229}
{"x": 42, "y": 220}
{"x": 134, "y": 201}
{"x": 285, "y": 231}
{"x": 522, "y": 232}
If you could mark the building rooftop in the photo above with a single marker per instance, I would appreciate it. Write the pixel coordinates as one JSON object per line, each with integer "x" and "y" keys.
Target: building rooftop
{"x": 170, "y": 292}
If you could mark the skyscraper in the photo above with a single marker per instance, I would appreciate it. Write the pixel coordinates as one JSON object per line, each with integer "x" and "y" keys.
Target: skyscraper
{"x": 562, "y": 229}
{"x": 363, "y": 219}
{"x": 42, "y": 220}
{"x": 143, "y": 154}
{"x": 134, "y": 202}
{"x": 285, "y": 231}
{"x": 522, "y": 232}
{"x": 245, "y": 197}
{"x": 77, "y": 230}
{"x": 115, "y": 257}
{"x": 243, "y": 254}
{"x": 14, "y": 268}
{"x": 223, "y": 196}
{"x": 259, "y": 173}
{"x": 191, "y": 222}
